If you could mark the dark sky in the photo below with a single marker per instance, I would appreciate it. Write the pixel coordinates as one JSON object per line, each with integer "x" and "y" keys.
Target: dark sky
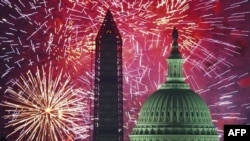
{"x": 213, "y": 37}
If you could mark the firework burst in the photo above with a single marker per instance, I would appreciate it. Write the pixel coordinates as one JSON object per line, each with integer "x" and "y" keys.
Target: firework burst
{"x": 45, "y": 107}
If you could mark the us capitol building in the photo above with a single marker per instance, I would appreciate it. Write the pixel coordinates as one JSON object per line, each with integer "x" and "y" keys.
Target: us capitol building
{"x": 174, "y": 112}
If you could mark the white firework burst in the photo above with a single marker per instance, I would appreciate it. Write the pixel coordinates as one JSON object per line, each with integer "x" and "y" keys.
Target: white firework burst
{"x": 45, "y": 107}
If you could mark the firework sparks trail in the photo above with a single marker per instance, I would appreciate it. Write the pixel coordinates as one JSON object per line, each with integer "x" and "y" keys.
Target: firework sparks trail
{"x": 62, "y": 31}
{"x": 45, "y": 107}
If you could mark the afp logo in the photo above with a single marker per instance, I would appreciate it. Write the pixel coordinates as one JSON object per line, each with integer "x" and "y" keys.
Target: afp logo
{"x": 234, "y": 132}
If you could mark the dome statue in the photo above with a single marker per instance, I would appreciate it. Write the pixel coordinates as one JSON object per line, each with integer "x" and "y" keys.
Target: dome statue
{"x": 174, "y": 112}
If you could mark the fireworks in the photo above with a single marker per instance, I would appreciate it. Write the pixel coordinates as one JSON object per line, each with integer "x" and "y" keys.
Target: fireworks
{"x": 45, "y": 107}
{"x": 214, "y": 37}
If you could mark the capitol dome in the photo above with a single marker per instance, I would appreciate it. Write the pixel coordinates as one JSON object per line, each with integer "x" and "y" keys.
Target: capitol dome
{"x": 174, "y": 112}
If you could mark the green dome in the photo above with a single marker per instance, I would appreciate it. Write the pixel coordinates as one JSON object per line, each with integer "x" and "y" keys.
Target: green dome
{"x": 174, "y": 114}
{"x": 174, "y": 106}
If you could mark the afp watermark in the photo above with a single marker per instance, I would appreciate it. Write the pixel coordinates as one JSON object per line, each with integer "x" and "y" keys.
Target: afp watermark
{"x": 236, "y": 132}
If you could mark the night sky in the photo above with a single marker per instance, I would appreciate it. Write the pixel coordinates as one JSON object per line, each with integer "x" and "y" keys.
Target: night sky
{"x": 213, "y": 37}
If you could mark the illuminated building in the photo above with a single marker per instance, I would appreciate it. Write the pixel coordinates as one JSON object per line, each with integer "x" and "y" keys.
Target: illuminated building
{"x": 108, "y": 104}
{"x": 174, "y": 112}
